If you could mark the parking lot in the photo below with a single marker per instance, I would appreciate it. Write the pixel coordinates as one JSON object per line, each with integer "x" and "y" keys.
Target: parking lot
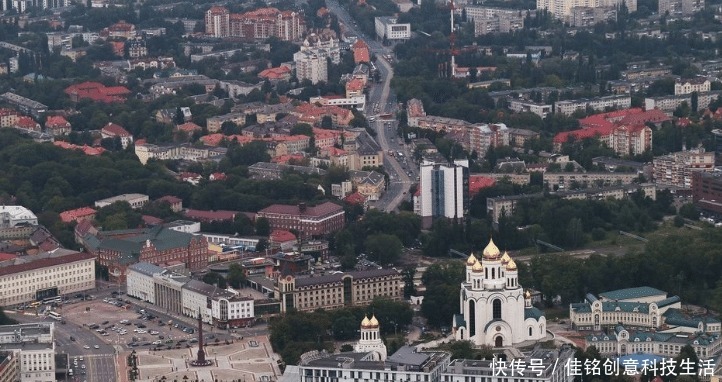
{"x": 117, "y": 322}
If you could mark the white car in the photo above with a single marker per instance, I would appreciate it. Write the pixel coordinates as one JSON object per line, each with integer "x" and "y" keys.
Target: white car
{"x": 86, "y": 347}
{"x": 95, "y": 347}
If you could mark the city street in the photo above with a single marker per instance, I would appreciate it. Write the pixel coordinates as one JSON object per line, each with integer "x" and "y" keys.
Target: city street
{"x": 381, "y": 100}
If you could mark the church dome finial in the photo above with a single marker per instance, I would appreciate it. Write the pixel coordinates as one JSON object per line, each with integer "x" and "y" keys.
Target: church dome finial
{"x": 365, "y": 323}
{"x": 511, "y": 265}
{"x": 477, "y": 267}
{"x": 505, "y": 258}
{"x": 491, "y": 252}
{"x": 471, "y": 260}
{"x": 373, "y": 322}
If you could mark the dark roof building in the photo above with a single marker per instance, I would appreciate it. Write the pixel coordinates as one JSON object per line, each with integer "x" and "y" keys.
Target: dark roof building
{"x": 316, "y": 221}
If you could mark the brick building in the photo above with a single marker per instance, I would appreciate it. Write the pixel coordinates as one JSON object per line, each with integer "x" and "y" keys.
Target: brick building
{"x": 316, "y": 221}
{"x": 158, "y": 245}
{"x": 707, "y": 191}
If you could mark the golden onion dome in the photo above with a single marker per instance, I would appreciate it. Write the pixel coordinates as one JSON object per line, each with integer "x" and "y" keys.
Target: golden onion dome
{"x": 373, "y": 322}
{"x": 471, "y": 260}
{"x": 477, "y": 267}
{"x": 491, "y": 252}
{"x": 527, "y": 294}
{"x": 365, "y": 323}
{"x": 511, "y": 265}
{"x": 505, "y": 258}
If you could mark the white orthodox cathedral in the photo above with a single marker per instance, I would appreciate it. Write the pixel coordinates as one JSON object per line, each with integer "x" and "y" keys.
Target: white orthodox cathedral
{"x": 495, "y": 309}
{"x": 370, "y": 341}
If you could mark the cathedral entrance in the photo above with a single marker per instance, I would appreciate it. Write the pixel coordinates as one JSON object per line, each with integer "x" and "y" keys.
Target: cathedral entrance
{"x": 498, "y": 341}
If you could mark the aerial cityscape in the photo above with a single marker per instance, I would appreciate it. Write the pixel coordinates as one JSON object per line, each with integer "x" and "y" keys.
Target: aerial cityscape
{"x": 361, "y": 191}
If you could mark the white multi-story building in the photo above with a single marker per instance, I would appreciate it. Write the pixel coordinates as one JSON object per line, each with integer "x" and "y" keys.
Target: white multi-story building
{"x": 12, "y": 216}
{"x": 526, "y": 106}
{"x": 601, "y": 103}
{"x": 483, "y": 136}
{"x": 311, "y": 66}
{"x": 46, "y": 275}
{"x": 140, "y": 283}
{"x": 388, "y": 28}
{"x": 135, "y": 200}
{"x": 563, "y": 8}
{"x": 34, "y": 345}
{"x": 548, "y": 366}
{"x": 226, "y": 309}
{"x": 691, "y": 85}
{"x": 495, "y": 310}
{"x": 491, "y": 19}
{"x": 443, "y": 191}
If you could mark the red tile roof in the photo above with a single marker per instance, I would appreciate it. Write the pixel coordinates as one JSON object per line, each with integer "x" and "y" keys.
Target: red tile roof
{"x": 78, "y": 213}
{"x": 27, "y": 123}
{"x": 583, "y": 133}
{"x": 170, "y": 199}
{"x": 281, "y": 236}
{"x": 115, "y": 130}
{"x": 87, "y": 150}
{"x": 56, "y": 121}
{"x": 45, "y": 263}
{"x": 278, "y": 73}
{"x": 97, "y": 92}
{"x": 478, "y": 182}
{"x": 218, "y": 176}
{"x": 355, "y": 85}
{"x": 4, "y": 256}
{"x": 188, "y": 127}
{"x": 151, "y": 220}
{"x": 355, "y": 198}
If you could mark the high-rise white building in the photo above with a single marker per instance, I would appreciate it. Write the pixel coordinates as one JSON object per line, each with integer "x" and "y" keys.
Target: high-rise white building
{"x": 311, "y": 66}
{"x": 217, "y": 21}
{"x": 443, "y": 190}
{"x": 495, "y": 310}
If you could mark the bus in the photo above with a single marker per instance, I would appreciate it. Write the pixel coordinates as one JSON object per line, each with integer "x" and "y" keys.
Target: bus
{"x": 50, "y": 300}
{"x": 55, "y": 316}
{"x": 34, "y": 304}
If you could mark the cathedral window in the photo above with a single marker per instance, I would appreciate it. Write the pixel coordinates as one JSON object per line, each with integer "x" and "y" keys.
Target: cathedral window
{"x": 496, "y": 309}
{"x": 472, "y": 318}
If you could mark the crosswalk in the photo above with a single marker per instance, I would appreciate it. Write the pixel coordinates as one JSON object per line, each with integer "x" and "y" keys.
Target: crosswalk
{"x": 99, "y": 355}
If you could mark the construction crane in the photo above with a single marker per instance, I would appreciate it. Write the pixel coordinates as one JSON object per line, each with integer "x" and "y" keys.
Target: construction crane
{"x": 448, "y": 68}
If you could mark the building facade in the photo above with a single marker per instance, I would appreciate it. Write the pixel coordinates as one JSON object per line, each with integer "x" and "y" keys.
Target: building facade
{"x": 320, "y": 220}
{"x": 140, "y": 282}
{"x": 495, "y": 310}
{"x": 570, "y": 106}
{"x": 333, "y": 291}
{"x": 34, "y": 346}
{"x": 311, "y": 66}
{"x": 388, "y": 28}
{"x": 443, "y": 191}
{"x": 12, "y": 216}
{"x": 676, "y": 169}
{"x": 707, "y": 191}
{"x": 50, "y": 275}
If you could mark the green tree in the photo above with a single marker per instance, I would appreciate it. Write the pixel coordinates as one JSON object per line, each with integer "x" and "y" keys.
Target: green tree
{"x": 383, "y": 248}
{"x": 263, "y": 227}
{"x": 214, "y": 278}
{"x": 236, "y": 278}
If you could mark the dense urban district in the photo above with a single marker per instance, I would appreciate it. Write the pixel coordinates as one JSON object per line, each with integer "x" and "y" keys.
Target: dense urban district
{"x": 360, "y": 191}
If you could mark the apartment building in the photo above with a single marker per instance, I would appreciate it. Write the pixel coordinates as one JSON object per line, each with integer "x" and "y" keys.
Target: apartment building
{"x": 414, "y": 111}
{"x": 564, "y": 8}
{"x": 590, "y": 16}
{"x": 707, "y": 191}
{"x": 691, "y": 85}
{"x": 258, "y": 24}
{"x": 333, "y": 291}
{"x": 570, "y": 106}
{"x": 311, "y": 66}
{"x": 146, "y": 152}
{"x": 623, "y": 139}
{"x": 25, "y": 105}
{"x": 493, "y": 20}
{"x": 676, "y": 169}
{"x": 444, "y": 191}
{"x": 213, "y": 124}
{"x": 34, "y": 347}
{"x": 140, "y": 282}
{"x": 135, "y": 200}
{"x": 112, "y": 130}
{"x": 527, "y": 106}
{"x": 570, "y": 180}
{"x": 483, "y": 136}
{"x": 506, "y": 205}
{"x": 680, "y": 7}
{"x": 27, "y": 279}
{"x": 316, "y": 221}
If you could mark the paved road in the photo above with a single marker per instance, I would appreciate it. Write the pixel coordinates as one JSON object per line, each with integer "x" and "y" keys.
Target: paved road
{"x": 381, "y": 100}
